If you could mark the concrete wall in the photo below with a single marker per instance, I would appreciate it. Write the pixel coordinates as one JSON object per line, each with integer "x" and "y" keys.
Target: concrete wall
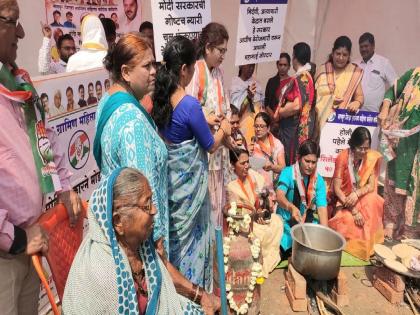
{"x": 395, "y": 24}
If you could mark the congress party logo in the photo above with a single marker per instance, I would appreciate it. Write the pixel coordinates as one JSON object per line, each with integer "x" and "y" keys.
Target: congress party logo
{"x": 79, "y": 149}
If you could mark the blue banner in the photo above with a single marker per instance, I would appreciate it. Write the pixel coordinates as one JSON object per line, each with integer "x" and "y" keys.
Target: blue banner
{"x": 362, "y": 118}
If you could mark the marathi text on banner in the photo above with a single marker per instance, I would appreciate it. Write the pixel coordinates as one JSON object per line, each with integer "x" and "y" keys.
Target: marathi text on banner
{"x": 336, "y": 134}
{"x": 172, "y": 18}
{"x": 260, "y": 31}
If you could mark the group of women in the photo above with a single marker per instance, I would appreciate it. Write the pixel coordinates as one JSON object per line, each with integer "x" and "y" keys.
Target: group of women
{"x": 167, "y": 175}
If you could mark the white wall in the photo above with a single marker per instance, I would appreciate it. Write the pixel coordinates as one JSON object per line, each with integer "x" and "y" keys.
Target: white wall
{"x": 395, "y": 24}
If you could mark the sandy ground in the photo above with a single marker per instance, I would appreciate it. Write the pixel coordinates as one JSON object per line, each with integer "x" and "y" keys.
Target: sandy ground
{"x": 364, "y": 300}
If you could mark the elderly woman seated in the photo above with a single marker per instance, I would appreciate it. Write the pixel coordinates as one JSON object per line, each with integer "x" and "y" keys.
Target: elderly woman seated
{"x": 245, "y": 190}
{"x": 117, "y": 269}
{"x": 355, "y": 206}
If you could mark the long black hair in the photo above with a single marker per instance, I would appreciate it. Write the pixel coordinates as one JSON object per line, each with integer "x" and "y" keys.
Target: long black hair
{"x": 179, "y": 51}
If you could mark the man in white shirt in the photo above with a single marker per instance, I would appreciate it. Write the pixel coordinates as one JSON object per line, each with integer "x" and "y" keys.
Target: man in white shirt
{"x": 378, "y": 73}
{"x": 65, "y": 46}
{"x": 131, "y": 20}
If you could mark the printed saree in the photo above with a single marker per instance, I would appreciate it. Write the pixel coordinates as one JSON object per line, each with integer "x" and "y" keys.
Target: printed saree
{"x": 400, "y": 145}
{"x": 100, "y": 280}
{"x": 190, "y": 227}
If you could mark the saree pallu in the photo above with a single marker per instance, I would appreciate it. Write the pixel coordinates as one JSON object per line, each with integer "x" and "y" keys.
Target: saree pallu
{"x": 208, "y": 87}
{"x": 402, "y": 193}
{"x": 190, "y": 228}
{"x": 100, "y": 280}
{"x": 360, "y": 240}
{"x": 329, "y": 86}
{"x": 296, "y": 129}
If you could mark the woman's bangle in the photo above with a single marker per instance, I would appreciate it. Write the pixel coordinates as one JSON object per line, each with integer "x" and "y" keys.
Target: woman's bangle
{"x": 198, "y": 294}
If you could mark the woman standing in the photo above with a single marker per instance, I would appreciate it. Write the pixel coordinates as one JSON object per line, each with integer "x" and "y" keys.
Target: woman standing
{"x": 269, "y": 148}
{"x": 301, "y": 192}
{"x": 400, "y": 120}
{"x": 247, "y": 96}
{"x": 245, "y": 190}
{"x": 295, "y": 113}
{"x": 356, "y": 207}
{"x": 338, "y": 83}
{"x": 125, "y": 133}
{"x": 208, "y": 87}
{"x": 182, "y": 123}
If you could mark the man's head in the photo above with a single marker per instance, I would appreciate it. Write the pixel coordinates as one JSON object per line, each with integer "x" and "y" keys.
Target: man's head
{"x": 110, "y": 31}
{"x": 98, "y": 88}
{"x": 107, "y": 84}
{"x": 283, "y": 65}
{"x": 301, "y": 55}
{"x": 69, "y": 17}
{"x": 66, "y": 47}
{"x": 90, "y": 89}
{"x": 130, "y": 9}
{"x": 57, "y": 16}
{"x": 44, "y": 101}
{"x": 367, "y": 46}
{"x": 82, "y": 91}
{"x": 69, "y": 95}
{"x": 10, "y": 30}
{"x": 146, "y": 28}
{"x": 57, "y": 99}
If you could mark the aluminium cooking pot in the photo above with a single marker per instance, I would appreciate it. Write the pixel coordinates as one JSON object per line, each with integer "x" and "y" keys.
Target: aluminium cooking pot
{"x": 321, "y": 260}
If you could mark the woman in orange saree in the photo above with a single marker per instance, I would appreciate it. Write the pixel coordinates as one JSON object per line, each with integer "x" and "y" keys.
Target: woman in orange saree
{"x": 355, "y": 206}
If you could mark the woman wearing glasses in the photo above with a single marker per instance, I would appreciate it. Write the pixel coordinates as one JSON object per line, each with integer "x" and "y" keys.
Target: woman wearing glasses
{"x": 117, "y": 269}
{"x": 355, "y": 206}
{"x": 208, "y": 87}
{"x": 268, "y": 147}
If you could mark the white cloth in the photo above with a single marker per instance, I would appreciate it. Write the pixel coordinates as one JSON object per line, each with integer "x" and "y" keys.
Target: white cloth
{"x": 127, "y": 26}
{"x": 54, "y": 111}
{"x": 238, "y": 91}
{"x": 378, "y": 72}
{"x": 45, "y": 63}
{"x": 94, "y": 46}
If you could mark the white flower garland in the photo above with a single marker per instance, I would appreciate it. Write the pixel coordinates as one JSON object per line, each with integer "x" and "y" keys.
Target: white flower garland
{"x": 256, "y": 271}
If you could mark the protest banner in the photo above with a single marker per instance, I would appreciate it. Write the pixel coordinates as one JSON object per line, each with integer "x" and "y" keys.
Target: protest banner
{"x": 66, "y": 17}
{"x": 74, "y": 125}
{"x": 172, "y": 18}
{"x": 336, "y": 133}
{"x": 260, "y": 31}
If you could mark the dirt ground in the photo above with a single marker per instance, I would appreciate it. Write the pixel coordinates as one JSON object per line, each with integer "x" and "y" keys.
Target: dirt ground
{"x": 364, "y": 300}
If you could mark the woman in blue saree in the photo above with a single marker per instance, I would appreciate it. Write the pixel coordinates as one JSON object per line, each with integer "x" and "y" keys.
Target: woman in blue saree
{"x": 188, "y": 138}
{"x": 117, "y": 269}
{"x": 125, "y": 133}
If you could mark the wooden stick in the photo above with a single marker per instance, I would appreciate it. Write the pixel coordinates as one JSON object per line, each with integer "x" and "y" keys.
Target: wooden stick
{"x": 413, "y": 307}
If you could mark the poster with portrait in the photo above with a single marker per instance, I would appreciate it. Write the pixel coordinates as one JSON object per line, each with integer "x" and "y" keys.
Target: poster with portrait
{"x": 70, "y": 102}
{"x": 172, "y": 18}
{"x": 260, "y": 30}
{"x": 65, "y": 16}
{"x": 336, "y": 133}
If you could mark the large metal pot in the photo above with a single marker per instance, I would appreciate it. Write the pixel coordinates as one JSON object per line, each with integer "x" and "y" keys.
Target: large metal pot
{"x": 321, "y": 260}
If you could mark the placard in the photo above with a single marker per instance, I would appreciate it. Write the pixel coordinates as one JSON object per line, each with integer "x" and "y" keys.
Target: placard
{"x": 336, "y": 134}
{"x": 172, "y": 18}
{"x": 260, "y": 31}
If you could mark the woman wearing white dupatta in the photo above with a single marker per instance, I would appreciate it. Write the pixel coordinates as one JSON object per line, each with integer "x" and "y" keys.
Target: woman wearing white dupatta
{"x": 247, "y": 96}
{"x": 116, "y": 269}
